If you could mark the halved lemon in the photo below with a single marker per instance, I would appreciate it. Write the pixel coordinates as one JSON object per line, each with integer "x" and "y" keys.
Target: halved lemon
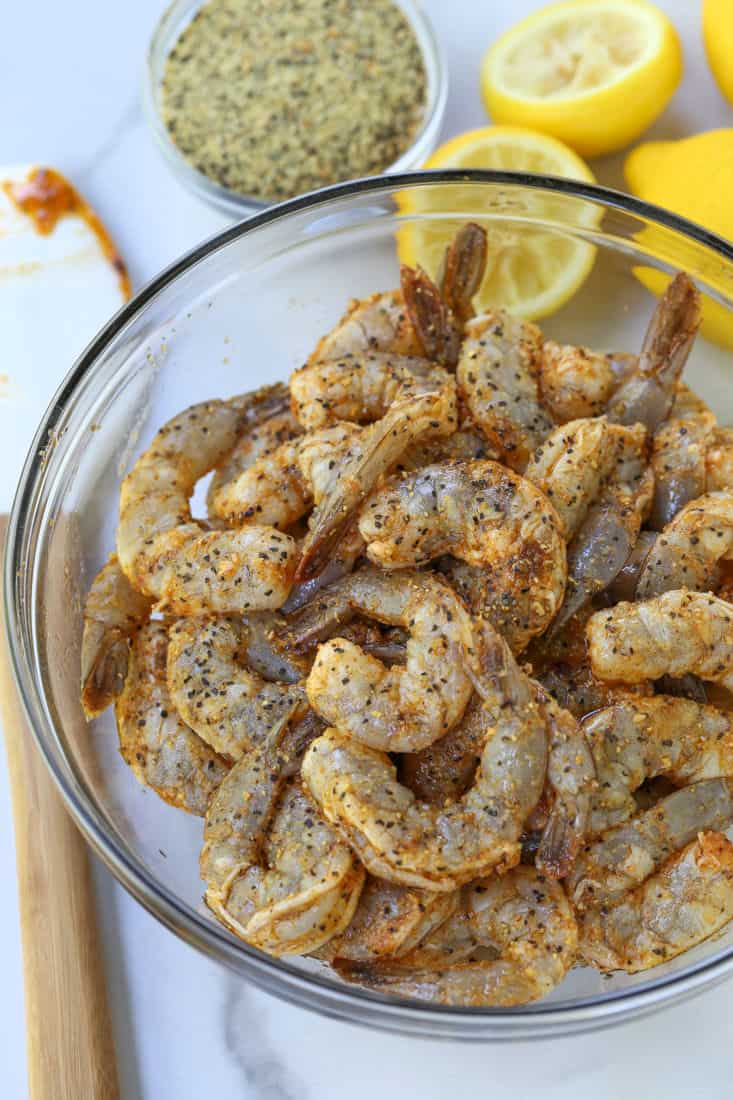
{"x": 593, "y": 73}
{"x": 532, "y": 270}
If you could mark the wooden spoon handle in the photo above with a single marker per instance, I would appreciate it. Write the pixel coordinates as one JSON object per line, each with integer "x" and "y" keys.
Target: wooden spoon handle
{"x": 69, "y": 1037}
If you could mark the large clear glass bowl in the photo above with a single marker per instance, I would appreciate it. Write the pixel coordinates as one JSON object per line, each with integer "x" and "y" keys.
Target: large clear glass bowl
{"x": 243, "y": 309}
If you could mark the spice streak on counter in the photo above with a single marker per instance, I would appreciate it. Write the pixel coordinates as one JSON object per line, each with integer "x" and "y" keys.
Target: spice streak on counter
{"x": 46, "y": 196}
{"x": 271, "y": 99}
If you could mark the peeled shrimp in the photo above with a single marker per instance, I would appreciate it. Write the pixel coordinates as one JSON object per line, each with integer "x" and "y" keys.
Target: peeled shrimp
{"x": 242, "y": 488}
{"x": 419, "y": 417}
{"x": 112, "y": 612}
{"x": 611, "y": 525}
{"x": 672, "y": 635}
{"x": 623, "y": 857}
{"x": 576, "y": 382}
{"x": 497, "y": 379}
{"x": 571, "y": 774}
{"x": 216, "y": 692}
{"x": 403, "y": 708}
{"x": 719, "y": 460}
{"x": 377, "y": 323}
{"x": 688, "y": 550}
{"x": 276, "y": 874}
{"x": 512, "y": 940}
{"x": 687, "y": 900}
{"x": 490, "y": 518}
{"x": 661, "y": 735}
{"x": 648, "y": 394}
{"x": 160, "y": 748}
{"x": 168, "y": 556}
{"x": 389, "y": 921}
{"x": 571, "y": 467}
{"x": 679, "y": 457}
{"x": 441, "y": 847}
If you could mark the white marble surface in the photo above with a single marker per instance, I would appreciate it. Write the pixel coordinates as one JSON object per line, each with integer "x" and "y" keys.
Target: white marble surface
{"x": 69, "y": 82}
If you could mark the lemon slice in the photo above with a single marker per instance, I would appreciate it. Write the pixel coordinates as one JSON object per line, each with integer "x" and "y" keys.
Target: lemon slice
{"x": 717, "y": 30}
{"x": 593, "y": 73}
{"x": 692, "y": 177}
{"x": 530, "y": 271}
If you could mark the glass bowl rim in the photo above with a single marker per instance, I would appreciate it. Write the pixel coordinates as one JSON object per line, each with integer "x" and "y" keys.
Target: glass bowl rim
{"x": 239, "y": 203}
{"x": 276, "y": 975}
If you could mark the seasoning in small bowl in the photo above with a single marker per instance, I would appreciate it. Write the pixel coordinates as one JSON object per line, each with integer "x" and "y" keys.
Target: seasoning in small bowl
{"x": 267, "y": 99}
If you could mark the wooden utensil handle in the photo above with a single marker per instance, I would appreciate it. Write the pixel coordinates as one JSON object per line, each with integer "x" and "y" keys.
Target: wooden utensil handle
{"x": 70, "y": 1048}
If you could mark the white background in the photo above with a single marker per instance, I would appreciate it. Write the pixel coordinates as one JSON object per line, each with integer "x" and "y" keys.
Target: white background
{"x": 69, "y": 82}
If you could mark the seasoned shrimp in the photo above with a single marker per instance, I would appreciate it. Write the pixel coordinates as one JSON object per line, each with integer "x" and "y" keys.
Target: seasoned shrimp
{"x": 491, "y": 519}
{"x": 242, "y": 488}
{"x": 572, "y": 466}
{"x": 689, "y": 549}
{"x": 669, "y": 635}
{"x": 623, "y": 585}
{"x": 611, "y": 526}
{"x": 167, "y": 555}
{"x": 571, "y": 774}
{"x": 719, "y": 460}
{"x": 276, "y": 874}
{"x": 661, "y": 735}
{"x": 377, "y": 323}
{"x": 512, "y": 940}
{"x": 162, "y": 751}
{"x": 647, "y": 396}
{"x": 687, "y": 900}
{"x": 112, "y": 612}
{"x": 403, "y": 708}
{"x": 576, "y": 382}
{"x": 441, "y": 847}
{"x": 389, "y": 921}
{"x": 623, "y": 857}
{"x": 215, "y": 691}
{"x": 679, "y": 457}
{"x": 423, "y": 416}
{"x": 497, "y": 379}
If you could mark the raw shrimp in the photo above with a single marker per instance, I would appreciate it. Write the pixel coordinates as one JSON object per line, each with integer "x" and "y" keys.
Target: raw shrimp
{"x": 661, "y": 735}
{"x": 512, "y": 940}
{"x": 572, "y": 466}
{"x": 112, "y": 612}
{"x": 571, "y": 774}
{"x": 389, "y": 921}
{"x": 490, "y": 518}
{"x": 687, "y": 552}
{"x": 419, "y": 318}
{"x": 578, "y": 691}
{"x": 623, "y": 857}
{"x": 719, "y": 460}
{"x": 646, "y": 397}
{"x": 242, "y": 488}
{"x": 276, "y": 874}
{"x": 216, "y": 692}
{"x": 419, "y": 417}
{"x": 611, "y": 526}
{"x": 623, "y": 585}
{"x": 403, "y": 708}
{"x": 166, "y": 554}
{"x": 576, "y": 382}
{"x": 673, "y": 634}
{"x": 441, "y": 847}
{"x": 497, "y": 379}
{"x": 687, "y": 900}
{"x": 160, "y": 748}
{"x": 679, "y": 457}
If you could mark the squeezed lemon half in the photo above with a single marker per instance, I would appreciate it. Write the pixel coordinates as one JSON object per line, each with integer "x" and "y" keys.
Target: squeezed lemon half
{"x": 593, "y": 73}
{"x": 530, "y": 271}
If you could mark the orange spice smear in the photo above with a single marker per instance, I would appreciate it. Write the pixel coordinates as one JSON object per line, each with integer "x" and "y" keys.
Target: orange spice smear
{"x": 46, "y": 196}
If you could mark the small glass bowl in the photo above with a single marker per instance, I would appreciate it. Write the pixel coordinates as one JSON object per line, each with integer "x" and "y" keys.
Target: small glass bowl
{"x": 177, "y": 17}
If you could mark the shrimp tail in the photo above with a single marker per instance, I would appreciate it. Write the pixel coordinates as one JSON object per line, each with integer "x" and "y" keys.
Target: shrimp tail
{"x": 433, "y": 320}
{"x": 462, "y": 270}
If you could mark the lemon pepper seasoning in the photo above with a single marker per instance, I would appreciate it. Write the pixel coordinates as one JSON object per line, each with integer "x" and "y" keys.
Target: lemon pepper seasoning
{"x": 271, "y": 98}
